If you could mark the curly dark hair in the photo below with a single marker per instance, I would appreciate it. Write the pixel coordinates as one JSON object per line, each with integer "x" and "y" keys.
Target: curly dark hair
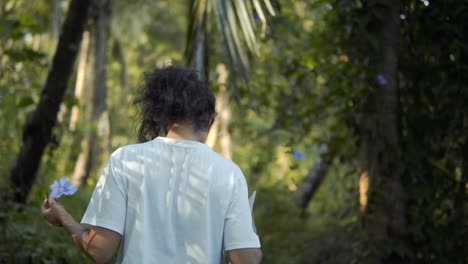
{"x": 173, "y": 94}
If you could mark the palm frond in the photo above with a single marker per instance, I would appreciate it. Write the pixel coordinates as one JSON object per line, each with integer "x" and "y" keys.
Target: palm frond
{"x": 236, "y": 23}
{"x": 195, "y": 49}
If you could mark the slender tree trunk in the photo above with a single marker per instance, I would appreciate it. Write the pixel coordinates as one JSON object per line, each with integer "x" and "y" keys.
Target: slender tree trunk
{"x": 55, "y": 19}
{"x": 102, "y": 115}
{"x": 363, "y": 190}
{"x": 123, "y": 76}
{"x": 118, "y": 46}
{"x": 224, "y": 111}
{"x": 313, "y": 180}
{"x": 96, "y": 115}
{"x": 83, "y": 164}
{"x": 381, "y": 148}
{"x": 80, "y": 80}
{"x": 212, "y": 135}
{"x": 200, "y": 54}
{"x": 38, "y": 129}
{"x": 80, "y": 85}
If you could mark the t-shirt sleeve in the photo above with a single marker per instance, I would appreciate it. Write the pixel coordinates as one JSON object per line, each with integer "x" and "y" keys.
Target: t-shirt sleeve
{"x": 238, "y": 230}
{"x": 107, "y": 207}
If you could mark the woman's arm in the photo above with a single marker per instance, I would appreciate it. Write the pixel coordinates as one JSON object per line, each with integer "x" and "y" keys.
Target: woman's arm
{"x": 97, "y": 243}
{"x": 245, "y": 256}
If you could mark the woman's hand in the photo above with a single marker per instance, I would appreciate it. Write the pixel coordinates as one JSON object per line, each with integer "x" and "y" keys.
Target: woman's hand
{"x": 53, "y": 211}
{"x": 98, "y": 243}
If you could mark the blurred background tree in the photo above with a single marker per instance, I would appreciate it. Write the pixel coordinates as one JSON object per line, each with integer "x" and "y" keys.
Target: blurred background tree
{"x": 349, "y": 117}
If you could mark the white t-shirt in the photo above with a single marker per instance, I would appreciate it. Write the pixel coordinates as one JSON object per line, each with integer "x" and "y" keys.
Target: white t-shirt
{"x": 173, "y": 201}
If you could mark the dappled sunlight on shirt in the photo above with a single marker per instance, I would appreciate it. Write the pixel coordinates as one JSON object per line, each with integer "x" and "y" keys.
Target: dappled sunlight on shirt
{"x": 174, "y": 201}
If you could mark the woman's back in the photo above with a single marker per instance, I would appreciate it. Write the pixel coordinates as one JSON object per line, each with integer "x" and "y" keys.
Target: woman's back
{"x": 173, "y": 201}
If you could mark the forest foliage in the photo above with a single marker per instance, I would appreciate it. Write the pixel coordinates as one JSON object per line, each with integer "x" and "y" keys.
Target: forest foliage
{"x": 312, "y": 99}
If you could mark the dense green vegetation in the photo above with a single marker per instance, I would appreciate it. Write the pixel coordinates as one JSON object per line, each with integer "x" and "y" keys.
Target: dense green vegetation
{"x": 349, "y": 118}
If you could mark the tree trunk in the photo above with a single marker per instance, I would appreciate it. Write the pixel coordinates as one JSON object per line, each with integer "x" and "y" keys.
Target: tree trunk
{"x": 121, "y": 57}
{"x": 363, "y": 190}
{"x": 96, "y": 115}
{"x": 38, "y": 129}
{"x": 313, "y": 180}
{"x": 55, "y": 19}
{"x": 80, "y": 80}
{"x": 381, "y": 146}
{"x": 224, "y": 111}
{"x": 100, "y": 97}
{"x": 213, "y": 134}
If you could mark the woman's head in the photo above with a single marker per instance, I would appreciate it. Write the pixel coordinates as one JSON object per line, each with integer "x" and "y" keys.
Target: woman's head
{"x": 171, "y": 95}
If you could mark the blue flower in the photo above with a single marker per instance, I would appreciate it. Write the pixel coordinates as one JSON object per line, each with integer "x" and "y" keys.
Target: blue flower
{"x": 297, "y": 154}
{"x": 382, "y": 79}
{"x": 61, "y": 187}
{"x": 256, "y": 17}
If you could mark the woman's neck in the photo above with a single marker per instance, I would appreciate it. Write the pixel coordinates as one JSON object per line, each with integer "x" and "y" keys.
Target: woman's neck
{"x": 185, "y": 131}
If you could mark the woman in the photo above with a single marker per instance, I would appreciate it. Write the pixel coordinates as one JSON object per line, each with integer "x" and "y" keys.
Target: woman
{"x": 169, "y": 199}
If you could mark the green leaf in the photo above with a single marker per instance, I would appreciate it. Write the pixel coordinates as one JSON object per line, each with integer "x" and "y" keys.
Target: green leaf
{"x": 70, "y": 100}
{"x": 24, "y": 102}
{"x": 30, "y": 23}
{"x": 7, "y": 26}
{"x": 24, "y": 54}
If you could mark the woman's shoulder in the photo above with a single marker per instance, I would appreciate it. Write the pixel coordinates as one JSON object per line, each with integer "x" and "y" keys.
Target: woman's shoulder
{"x": 130, "y": 150}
